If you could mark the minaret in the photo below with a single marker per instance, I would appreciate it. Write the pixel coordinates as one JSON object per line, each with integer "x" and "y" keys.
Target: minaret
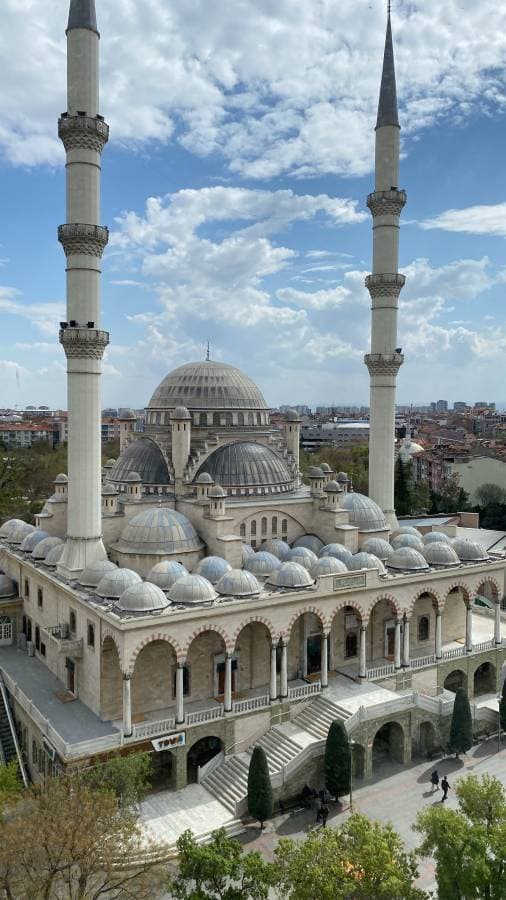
{"x": 83, "y": 133}
{"x": 385, "y": 285}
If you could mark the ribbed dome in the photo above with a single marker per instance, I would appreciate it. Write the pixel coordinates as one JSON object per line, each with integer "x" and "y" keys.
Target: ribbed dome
{"x": 338, "y": 552}
{"x": 41, "y": 549}
{"x": 9, "y": 525}
{"x": 144, "y": 457}
{"x": 20, "y": 532}
{"x": 62, "y": 478}
{"x": 204, "y": 478}
{"x": 262, "y": 563}
{"x": 364, "y": 513}
{"x": 32, "y": 539}
{"x": 166, "y": 573}
{"x": 143, "y": 598}
{"x": 238, "y": 583}
{"x": 217, "y": 492}
{"x": 53, "y": 556}
{"x": 290, "y": 575}
{"x": 113, "y": 584}
{"x": 365, "y": 561}
{"x": 469, "y": 551}
{"x": 408, "y": 540}
{"x": 378, "y": 547}
{"x": 213, "y": 568}
{"x": 207, "y": 385}
{"x": 328, "y": 565}
{"x": 159, "y": 530}
{"x": 324, "y": 466}
{"x": 91, "y": 576}
{"x": 246, "y": 464}
{"x": 438, "y": 553}
{"x": 277, "y": 547}
{"x": 434, "y": 537}
{"x": 109, "y": 490}
{"x": 405, "y": 529}
{"x": 342, "y": 478}
{"x": 192, "y": 589}
{"x": 301, "y": 555}
{"x": 406, "y": 559}
{"x": 7, "y": 587}
{"x": 310, "y": 541}
{"x": 247, "y": 551}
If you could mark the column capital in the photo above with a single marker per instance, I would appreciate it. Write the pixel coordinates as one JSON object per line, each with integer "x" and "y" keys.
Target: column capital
{"x": 387, "y": 203}
{"x": 383, "y": 363}
{"x": 385, "y": 284}
{"x": 84, "y": 343}
{"x": 83, "y": 239}
{"x": 83, "y": 132}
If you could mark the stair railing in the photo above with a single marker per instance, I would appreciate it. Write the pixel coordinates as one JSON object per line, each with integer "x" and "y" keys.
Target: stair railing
{"x": 12, "y": 727}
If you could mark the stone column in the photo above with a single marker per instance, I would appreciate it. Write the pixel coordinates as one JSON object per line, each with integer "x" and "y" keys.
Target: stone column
{"x": 397, "y": 649}
{"x": 439, "y": 634}
{"x": 284, "y": 670}
{"x": 228, "y": 683}
{"x": 274, "y": 678}
{"x": 324, "y": 665}
{"x": 362, "y": 672}
{"x": 304, "y": 646}
{"x": 497, "y": 623}
{"x": 127, "y": 704}
{"x": 180, "y": 693}
{"x": 405, "y": 647}
{"x": 469, "y": 628}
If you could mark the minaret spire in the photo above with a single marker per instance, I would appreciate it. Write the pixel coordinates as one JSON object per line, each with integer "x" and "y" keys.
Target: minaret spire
{"x": 82, "y": 15}
{"x": 384, "y": 285}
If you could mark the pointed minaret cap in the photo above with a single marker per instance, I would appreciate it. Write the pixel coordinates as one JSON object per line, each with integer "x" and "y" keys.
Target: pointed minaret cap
{"x": 82, "y": 15}
{"x": 387, "y": 106}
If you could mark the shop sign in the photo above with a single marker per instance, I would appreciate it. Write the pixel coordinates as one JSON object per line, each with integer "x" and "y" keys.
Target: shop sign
{"x": 170, "y": 741}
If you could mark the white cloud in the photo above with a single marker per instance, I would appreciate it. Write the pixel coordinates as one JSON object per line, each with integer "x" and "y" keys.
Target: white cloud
{"x": 472, "y": 220}
{"x": 45, "y": 316}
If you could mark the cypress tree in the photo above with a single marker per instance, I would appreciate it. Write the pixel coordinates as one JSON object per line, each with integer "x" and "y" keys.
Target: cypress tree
{"x": 260, "y": 803}
{"x": 461, "y": 730}
{"x": 337, "y": 760}
{"x": 502, "y": 706}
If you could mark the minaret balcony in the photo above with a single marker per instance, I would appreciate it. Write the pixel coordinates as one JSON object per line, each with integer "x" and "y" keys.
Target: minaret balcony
{"x": 83, "y": 132}
{"x": 384, "y": 363}
{"x": 385, "y": 284}
{"x": 81, "y": 342}
{"x": 387, "y": 203}
{"x": 89, "y": 240}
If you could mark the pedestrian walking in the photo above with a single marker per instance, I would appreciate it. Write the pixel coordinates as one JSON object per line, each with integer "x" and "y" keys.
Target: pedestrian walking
{"x": 446, "y": 787}
{"x": 324, "y": 812}
{"x": 434, "y": 780}
{"x": 318, "y": 807}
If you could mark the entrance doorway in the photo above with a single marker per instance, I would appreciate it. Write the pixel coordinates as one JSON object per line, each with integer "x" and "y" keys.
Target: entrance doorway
{"x": 161, "y": 770}
{"x": 390, "y": 640}
{"x": 200, "y": 754}
{"x": 5, "y": 630}
{"x": 388, "y": 744}
{"x": 314, "y": 653}
{"x": 220, "y": 676}
{"x": 71, "y": 675}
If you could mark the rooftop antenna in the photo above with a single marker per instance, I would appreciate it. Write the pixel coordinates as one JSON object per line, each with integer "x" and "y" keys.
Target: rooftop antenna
{"x": 207, "y": 354}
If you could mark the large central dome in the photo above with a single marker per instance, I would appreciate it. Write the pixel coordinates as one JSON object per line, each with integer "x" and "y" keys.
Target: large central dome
{"x": 207, "y": 385}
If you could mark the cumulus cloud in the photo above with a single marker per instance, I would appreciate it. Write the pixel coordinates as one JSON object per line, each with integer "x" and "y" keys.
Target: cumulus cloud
{"x": 472, "y": 220}
{"x": 45, "y": 316}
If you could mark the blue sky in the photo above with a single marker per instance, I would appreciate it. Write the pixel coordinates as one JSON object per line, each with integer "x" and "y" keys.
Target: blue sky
{"x": 234, "y": 185}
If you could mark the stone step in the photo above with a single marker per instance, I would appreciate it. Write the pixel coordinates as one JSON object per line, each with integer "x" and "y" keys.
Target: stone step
{"x": 228, "y": 782}
{"x": 279, "y": 749}
{"x": 318, "y": 716}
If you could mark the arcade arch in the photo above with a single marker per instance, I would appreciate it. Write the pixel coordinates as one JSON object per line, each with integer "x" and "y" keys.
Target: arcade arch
{"x": 111, "y": 681}
{"x": 484, "y": 679}
{"x": 152, "y": 678}
{"x": 454, "y": 614}
{"x": 305, "y": 645}
{"x": 455, "y": 679}
{"x": 388, "y": 744}
{"x": 252, "y": 650}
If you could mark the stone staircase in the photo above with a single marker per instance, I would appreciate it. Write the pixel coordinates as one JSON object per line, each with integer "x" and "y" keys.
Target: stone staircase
{"x": 317, "y": 717}
{"x": 228, "y": 782}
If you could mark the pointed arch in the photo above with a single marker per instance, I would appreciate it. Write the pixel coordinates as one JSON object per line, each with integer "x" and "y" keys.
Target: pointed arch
{"x": 285, "y": 634}
{"x": 434, "y": 594}
{"x": 342, "y": 604}
{"x": 251, "y": 620}
{"x": 150, "y": 639}
{"x": 229, "y": 645}
{"x": 399, "y": 610}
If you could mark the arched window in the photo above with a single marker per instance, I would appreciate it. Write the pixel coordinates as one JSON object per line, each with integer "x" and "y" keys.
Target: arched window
{"x": 229, "y": 419}
{"x": 423, "y": 628}
{"x": 264, "y": 526}
{"x": 284, "y": 526}
{"x": 240, "y": 418}
{"x": 259, "y": 419}
{"x": 251, "y": 419}
{"x": 91, "y": 635}
{"x": 253, "y": 528}
{"x": 242, "y": 530}
{"x": 216, "y": 419}
{"x": 274, "y": 524}
{"x": 158, "y": 418}
{"x": 37, "y": 637}
{"x": 72, "y": 621}
{"x": 203, "y": 420}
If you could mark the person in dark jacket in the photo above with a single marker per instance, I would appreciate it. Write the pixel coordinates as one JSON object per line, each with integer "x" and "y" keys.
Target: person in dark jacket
{"x": 324, "y": 813}
{"x": 446, "y": 787}
{"x": 434, "y": 780}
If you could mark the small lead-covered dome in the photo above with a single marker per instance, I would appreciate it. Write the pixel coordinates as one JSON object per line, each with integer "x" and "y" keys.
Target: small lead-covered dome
{"x": 61, "y": 478}
{"x": 109, "y": 490}
{"x": 338, "y": 552}
{"x": 405, "y": 529}
{"x": 192, "y": 589}
{"x": 378, "y": 547}
{"x": 469, "y": 551}
{"x": 301, "y": 555}
{"x": 53, "y": 556}
{"x": 92, "y": 574}
{"x": 217, "y": 492}
{"x": 366, "y": 561}
{"x": 277, "y": 547}
{"x": 143, "y": 598}
{"x": 290, "y": 575}
{"x": 247, "y": 551}
{"x": 41, "y": 549}
{"x": 342, "y": 478}
{"x": 364, "y": 513}
{"x": 20, "y": 532}
{"x": 180, "y": 413}
{"x": 440, "y": 555}
{"x": 204, "y": 478}
{"x": 166, "y": 573}
{"x": 7, "y": 587}
{"x": 114, "y": 584}
{"x": 408, "y": 540}
{"x": 328, "y": 565}
{"x": 407, "y": 559}
{"x": 159, "y": 530}
{"x": 315, "y": 472}
{"x": 6, "y": 528}
{"x": 238, "y": 583}
{"x": 324, "y": 466}
{"x": 262, "y": 563}
{"x": 213, "y": 568}
{"x": 32, "y": 539}
{"x": 434, "y": 537}
{"x": 311, "y": 541}
{"x": 332, "y": 487}
{"x": 291, "y": 415}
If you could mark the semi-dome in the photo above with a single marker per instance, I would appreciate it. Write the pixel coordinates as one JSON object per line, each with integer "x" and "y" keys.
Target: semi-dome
{"x": 192, "y": 589}
{"x": 405, "y": 529}
{"x": 20, "y": 532}
{"x": 438, "y": 553}
{"x": 238, "y": 583}
{"x": 143, "y": 598}
{"x": 408, "y": 540}
{"x": 364, "y": 513}
{"x": 311, "y": 541}
{"x": 144, "y": 457}
{"x": 290, "y": 575}
{"x": 365, "y": 561}
{"x": 301, "y": 555}
{"x": 166, "y": 573}
{"x": 213, "y": 568}
{"x": 247, "y": 551}
{"x": 434, "y": 537}
{"x": 262, "y": 563}
{"x": 7, "y": 587}
{"x": 92, "y": 574}
{"x": 378, "y": 547}
{"x": 338, "y": 552}
{"x": 469, "y": 551}
{"x": 276, "y": 546}
{"x": 7, "y": 527}
{"x": 32, "y": 539}
{"x": 407, "y": 559}
{"x": 159, "y": 530}
{"x": 207, "y": 385}
{"x": 328, "y": 565}
{"x": 247, "y": 465}
{"x": 115, "y": 583}
{"x": 41, "y": 549}
{"x": 53, "y": 556}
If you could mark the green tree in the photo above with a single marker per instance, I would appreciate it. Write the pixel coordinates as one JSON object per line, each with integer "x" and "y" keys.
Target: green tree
{"x": 468, "y": 844}
{"x": 502, "y": 706}
{"x": 260, "y": 803}
{"x": 461, "y": 729}
{"x": 337, "y": 760}
{"x": 489, "y": 494}
{"x": 220, "y": 870}
{"x": 451, "y": 498}
{"x": 10, "y": 784}
{"x": 402, "y": 487}
{"x": 363, "y": 860}
{"x": 128, "y": 777}
{"x": 421, "y": 501}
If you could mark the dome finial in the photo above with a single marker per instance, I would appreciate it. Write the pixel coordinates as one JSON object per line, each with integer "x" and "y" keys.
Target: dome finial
{"x": 208, "y": 352}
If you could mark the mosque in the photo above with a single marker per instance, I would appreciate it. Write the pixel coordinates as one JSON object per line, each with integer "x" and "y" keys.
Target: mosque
{"x": 194, "y": 597}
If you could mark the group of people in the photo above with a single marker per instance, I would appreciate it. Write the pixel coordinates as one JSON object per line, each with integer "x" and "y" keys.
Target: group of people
{"x": 319, "y": 801}
{"x": 445, "y": 787}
